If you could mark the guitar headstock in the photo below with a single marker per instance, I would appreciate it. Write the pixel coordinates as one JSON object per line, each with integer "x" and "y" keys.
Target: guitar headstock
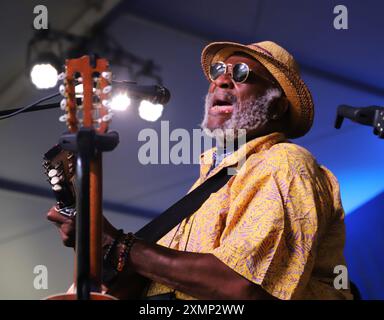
{"x": 91, "y": 107}
{"x": 59, "y": 168}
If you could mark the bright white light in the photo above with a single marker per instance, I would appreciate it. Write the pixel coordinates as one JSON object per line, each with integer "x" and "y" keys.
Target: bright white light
{"x": 120, "y": 102}
{"x": 44, "y": 76}
{"x": 149, "y": 111}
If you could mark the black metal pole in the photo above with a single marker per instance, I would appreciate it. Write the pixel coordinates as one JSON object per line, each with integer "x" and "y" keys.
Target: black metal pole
{"x": 86, "y": 146}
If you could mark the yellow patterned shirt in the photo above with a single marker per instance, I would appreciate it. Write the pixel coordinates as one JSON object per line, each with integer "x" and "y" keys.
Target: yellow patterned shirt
{"x": 278, "y": 222}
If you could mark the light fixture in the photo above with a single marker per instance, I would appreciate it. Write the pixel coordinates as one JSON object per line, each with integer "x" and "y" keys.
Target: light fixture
{"x": 149, "y": 111}
{"x": 44, "y": 71}
{"x": 44, "y": 59}
{"x": 48, "y": 48}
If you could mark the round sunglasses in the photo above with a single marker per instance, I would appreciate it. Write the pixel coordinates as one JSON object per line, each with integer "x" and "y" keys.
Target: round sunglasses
{"x": 239, "y": 72}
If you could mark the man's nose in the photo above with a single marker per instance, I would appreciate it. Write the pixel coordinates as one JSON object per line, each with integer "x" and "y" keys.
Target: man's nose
{"x": 224, "y": 81}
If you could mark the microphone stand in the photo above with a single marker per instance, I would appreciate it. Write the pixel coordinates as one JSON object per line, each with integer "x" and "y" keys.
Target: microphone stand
{"x": 370, "y": 116}
{"x": 88, "y": 145}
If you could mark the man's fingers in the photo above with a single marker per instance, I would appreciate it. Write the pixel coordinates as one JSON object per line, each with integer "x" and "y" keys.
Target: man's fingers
{"x": 68, "y": 229}
{"x": 67, "y": 240}
{"x": 65, "y": 225}
{"x": 56, "y": 217}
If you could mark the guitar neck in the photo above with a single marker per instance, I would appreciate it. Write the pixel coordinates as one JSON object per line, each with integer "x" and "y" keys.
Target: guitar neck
{"x": 96, "y": 221}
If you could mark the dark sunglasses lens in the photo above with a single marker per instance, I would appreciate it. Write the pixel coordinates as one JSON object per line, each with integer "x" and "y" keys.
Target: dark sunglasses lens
{"x": 216, "y": 70}
{"x": 240, "y": 72}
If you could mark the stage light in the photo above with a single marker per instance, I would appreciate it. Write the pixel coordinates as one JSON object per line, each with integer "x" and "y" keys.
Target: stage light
{"x": 120, "y": 102}
{"x": 44, "y": 71}
{"x": 149, "y": 111}
{"x": 44, "y": 76}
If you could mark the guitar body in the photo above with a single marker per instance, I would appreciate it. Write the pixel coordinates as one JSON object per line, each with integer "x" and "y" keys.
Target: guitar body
{"x": 73, "y": 296}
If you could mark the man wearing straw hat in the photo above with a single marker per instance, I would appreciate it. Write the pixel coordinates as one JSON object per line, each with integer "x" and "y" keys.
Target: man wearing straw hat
{"x": 276, "y": 229}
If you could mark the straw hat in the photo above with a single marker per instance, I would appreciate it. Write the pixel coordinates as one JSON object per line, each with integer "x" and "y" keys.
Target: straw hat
{"x": 283, "y": 68}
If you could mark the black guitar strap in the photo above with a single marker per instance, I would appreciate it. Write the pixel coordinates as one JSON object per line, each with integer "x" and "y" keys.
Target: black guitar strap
{"x": 161, "y": 225}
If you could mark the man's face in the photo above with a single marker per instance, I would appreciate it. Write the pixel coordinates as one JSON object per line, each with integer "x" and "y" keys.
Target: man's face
{"x": 232, "y": 105}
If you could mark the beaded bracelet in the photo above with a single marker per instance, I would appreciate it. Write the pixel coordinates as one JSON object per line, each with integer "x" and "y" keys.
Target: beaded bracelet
{"x": 126, "y": 246}
{"x": 109, "y": 271}
{"x": 112, "y": 246}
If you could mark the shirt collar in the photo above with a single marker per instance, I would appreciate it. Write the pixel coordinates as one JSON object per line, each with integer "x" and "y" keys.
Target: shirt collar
{"x": 253, "y": 146}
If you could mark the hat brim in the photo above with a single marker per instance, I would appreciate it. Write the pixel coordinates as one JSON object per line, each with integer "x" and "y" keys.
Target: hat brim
{"x": 301, "y": 111}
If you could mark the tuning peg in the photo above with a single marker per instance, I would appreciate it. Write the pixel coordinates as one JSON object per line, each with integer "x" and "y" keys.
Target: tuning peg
{"x": 106, "y": 75}
{"x": 63, "y": 118}
{"x": 107, "y": 89}
{"x": 45, "y": 164}
{"x": 106, "y": 103}
{"x": 61, "y": 76}
{"x": 63, "y": 104}
{"x": 55, "y": 180}
{"x": 107, "y": 117}
{"x": 62, "y": 89}
{"x": 52, "y": 173}
{"x": 57, "y": 187}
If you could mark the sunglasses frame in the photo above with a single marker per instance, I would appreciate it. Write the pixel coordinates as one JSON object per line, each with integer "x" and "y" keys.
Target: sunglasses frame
{"x": 249, "y": 70}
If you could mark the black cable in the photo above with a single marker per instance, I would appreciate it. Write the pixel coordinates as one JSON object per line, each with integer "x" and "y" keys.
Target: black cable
{"x": 23, "y": 109}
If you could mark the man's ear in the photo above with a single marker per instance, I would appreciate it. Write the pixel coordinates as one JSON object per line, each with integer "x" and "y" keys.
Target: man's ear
{"x": 280, "y": 108}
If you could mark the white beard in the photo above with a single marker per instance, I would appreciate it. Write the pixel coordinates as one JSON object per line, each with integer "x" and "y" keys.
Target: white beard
{"x": 248, "y": 115}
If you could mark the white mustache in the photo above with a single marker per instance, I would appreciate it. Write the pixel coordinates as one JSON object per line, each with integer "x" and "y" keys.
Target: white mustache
{"x": 249, "y": 114}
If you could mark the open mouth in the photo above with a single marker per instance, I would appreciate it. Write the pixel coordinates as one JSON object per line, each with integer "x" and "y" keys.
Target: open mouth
{"x": 221, "y": 106}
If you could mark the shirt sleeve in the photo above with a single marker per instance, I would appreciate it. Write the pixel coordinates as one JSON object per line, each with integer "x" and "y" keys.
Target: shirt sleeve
{"x": 271, "y": 229}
